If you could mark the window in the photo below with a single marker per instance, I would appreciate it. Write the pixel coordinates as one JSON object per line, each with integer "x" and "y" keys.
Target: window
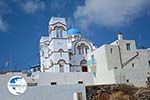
{"x": 111, "y": 50}
{"x": 93, "y": 60}
{"x": 69, "y": 56}
{"x": 84, "y": 69}
{"x": 32, "y": 84}
{"x": 61, "y": 68}
{"x": 94, "y": 73}
{"x": 29, "y": 74}
{"x": 59, "y": 33}
{"x": 61, "y": 63}
{"x": 80, "y": 82}
{"x": 127, "y": 81}
{"x": 79, "y": 50}
{"x": 72, "y": 68}
{"x": 86, "y": 49}
{"x": 148, "y": 79}
{"x": 61, "y": 51}
{"x": 149, "y": 63}
{"x": 82, "y": 49}
{"x": 132, "y": 64}
{"x": 128, "y": 46}
{"x": 53, "y": 83}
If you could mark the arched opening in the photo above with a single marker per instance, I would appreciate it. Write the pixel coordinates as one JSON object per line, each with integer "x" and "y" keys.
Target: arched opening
{"x": 61, "y": 63}
{"x": 83, "y": 65}
{"x": 71, "y": 68}
{"x": 86, "y": 49}
{"x": 59, "y": 32}
{"x": 61, "y": 51}
{"x": 79, "y": 49}
{"x": 83, "y": 49}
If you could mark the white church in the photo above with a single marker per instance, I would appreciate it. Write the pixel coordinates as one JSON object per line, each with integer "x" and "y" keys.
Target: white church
{"x": 66, "y": 50}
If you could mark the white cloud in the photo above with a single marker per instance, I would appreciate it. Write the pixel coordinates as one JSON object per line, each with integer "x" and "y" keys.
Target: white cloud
{"x": 3, "y": 25}
{"x": 109, "y": 13}
{"x": 31, "y": 6}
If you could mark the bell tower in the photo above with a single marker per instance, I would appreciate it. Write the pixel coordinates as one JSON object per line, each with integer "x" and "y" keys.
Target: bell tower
{"x": 57, "y": 59}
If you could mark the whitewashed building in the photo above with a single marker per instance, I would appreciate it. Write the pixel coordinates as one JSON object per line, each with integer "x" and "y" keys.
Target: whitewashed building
{"x": 120, "y": 62}
{"x": 69, "y": 62}
{"x": 66, "y": 50}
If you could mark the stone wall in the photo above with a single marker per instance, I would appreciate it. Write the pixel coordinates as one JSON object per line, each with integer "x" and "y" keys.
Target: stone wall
{"x": 117, "y": 92}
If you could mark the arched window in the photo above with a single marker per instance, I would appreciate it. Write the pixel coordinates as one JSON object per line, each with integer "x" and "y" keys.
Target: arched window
{"x": 70, "y": 55}
{"x": 61, "y": 51}
{"x": 72, "y": 68}
{"x": 82, "y": 48}
{"x": 79, "y": 49}
{"x": 86, "y": 49}
{"x": 59, "y": 32}
{"x": 61, "y": 63}
{"x": 61, "y": 68}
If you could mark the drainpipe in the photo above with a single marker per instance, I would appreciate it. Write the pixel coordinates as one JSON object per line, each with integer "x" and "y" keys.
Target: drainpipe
{"x": 120, "y": 56}
{"x": 122, "y": 76}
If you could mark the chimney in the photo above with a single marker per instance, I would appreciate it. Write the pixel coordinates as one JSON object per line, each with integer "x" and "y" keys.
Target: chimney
{"x": 120, "y": 37}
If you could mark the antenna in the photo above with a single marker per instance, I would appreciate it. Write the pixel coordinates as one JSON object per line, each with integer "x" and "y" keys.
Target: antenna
{"x": 6, "y": 64}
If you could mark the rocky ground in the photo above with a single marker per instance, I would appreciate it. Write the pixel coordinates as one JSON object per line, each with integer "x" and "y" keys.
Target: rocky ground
{"x": 117, "y": 92}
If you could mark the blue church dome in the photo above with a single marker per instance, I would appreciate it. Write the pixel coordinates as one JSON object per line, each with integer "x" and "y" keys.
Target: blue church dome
{"x": 73, "y": 31}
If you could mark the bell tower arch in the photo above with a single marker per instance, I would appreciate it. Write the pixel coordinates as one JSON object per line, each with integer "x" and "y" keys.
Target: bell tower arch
{"x": 57, "y": 27}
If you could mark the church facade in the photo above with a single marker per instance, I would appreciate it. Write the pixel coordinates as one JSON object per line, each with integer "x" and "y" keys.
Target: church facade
{"x": 64, "y": 50}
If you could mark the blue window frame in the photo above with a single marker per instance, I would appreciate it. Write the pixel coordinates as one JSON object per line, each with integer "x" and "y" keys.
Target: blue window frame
{"x": 128, "y": 46}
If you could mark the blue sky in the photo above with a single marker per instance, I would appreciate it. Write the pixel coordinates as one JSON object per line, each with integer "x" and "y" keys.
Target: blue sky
{"x": 23, "y": 22}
